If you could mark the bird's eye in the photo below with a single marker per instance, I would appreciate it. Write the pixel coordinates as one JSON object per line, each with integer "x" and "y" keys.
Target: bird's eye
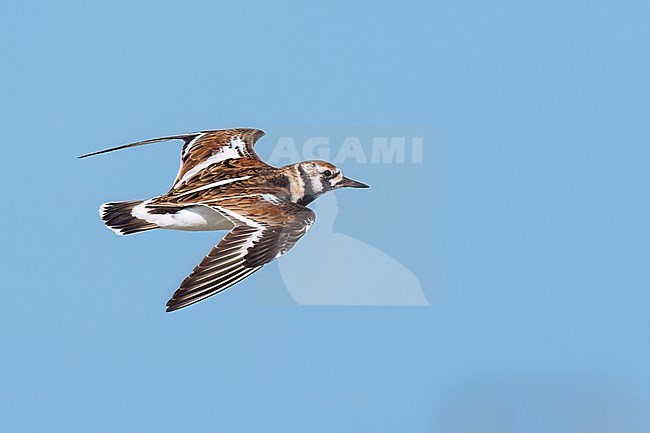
{"x": 327, "y": 173}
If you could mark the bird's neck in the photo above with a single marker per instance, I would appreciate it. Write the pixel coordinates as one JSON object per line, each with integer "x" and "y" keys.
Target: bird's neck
{"x": 302, "y": 188}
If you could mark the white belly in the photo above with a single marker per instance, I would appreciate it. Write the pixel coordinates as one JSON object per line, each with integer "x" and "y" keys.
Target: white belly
{"x": 193, "y": 218}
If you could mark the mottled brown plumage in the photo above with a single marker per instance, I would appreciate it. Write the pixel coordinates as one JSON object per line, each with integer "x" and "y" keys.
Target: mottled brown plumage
{"x": 222, "y": 184}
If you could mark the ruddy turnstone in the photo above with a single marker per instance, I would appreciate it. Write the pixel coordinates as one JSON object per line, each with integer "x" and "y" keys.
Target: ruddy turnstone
{"x": 223, "y": 185}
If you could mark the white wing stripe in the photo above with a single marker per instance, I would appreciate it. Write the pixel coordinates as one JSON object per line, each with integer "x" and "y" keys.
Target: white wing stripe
{"x": 241, "y": 218}
{"x": 189, "y": 145}
{"x": 214, "y": 184}
{"x": 236, "y": 148}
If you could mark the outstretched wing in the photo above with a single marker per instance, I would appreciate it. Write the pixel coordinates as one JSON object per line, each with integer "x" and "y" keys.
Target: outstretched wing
{"x": 211, "y": 147}
{"x": 265, "y": 228}
{"x": 201, "y": 149}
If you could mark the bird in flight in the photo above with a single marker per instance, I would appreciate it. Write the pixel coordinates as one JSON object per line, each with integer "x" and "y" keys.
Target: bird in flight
{"x": 223, "y": 185}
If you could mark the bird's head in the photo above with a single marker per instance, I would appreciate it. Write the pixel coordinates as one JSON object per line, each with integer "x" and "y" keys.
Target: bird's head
{"x": 319, "y": 177}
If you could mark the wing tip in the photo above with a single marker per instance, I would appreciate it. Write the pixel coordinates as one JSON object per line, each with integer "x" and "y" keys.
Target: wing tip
{"x": 169, "y": 306}
{"x": 141, "y": 143}
{"x": 173, "y": 305}
{"x": 86, "y": 155}
{"x": 255, "y": 133}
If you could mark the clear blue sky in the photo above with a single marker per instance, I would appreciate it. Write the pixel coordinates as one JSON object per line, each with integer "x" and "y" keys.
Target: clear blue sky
{"x": 526, "y": 223}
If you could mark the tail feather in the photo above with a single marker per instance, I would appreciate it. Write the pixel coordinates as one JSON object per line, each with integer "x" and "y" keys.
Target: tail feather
{"x": 118, "y": 217}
